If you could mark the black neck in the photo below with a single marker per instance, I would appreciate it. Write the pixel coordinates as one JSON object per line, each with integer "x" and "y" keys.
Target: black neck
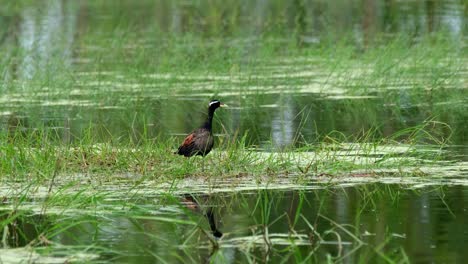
{"x": 209, "y": 119}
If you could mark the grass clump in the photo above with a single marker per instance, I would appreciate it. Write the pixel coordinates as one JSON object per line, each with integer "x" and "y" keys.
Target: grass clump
{"x": 40, "y": 155}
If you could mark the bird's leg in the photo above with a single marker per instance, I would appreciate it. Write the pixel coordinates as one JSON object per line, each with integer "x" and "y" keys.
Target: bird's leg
{"x": 203, "y": 164}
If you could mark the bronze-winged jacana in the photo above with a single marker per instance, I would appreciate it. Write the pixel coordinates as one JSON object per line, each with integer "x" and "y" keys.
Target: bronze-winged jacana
{"x": 200, "y": 141}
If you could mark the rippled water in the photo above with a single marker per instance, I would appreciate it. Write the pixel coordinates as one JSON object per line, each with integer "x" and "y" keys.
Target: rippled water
{"x": 351, "y": 222}
{"x": 67, "y": 65}
{"x": 292, "y": 73}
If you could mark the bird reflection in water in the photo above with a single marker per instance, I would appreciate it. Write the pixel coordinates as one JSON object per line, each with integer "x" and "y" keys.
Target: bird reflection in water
{"x": 191, "y": 203}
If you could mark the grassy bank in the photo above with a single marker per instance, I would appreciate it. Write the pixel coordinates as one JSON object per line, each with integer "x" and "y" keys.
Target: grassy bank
{"x": 40, "y": 155}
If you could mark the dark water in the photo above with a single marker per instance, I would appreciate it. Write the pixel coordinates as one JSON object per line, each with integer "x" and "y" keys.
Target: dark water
{"x": 291, "y": 70}
{"x": 426, "y": 225}
{"x": 292, "y": 73}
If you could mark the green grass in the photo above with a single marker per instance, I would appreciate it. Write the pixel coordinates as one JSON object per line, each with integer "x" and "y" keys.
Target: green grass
{"x": 260, "y": 223}
{"x": 41, "y": 156}
{"x": 408, "y": 82}
{"x": 87, "y": 140}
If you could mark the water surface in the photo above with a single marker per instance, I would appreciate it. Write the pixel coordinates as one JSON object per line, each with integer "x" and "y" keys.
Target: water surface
{"x": 292, "y": 72}
{"x": 349, "y": 223}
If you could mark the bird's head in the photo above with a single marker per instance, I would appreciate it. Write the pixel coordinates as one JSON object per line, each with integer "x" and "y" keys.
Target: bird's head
{"x": 215, "y": 104}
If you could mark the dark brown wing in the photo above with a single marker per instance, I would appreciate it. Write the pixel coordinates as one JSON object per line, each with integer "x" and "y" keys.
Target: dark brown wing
{"x": 187, "y": 146}
{"x": 199, "y": 142}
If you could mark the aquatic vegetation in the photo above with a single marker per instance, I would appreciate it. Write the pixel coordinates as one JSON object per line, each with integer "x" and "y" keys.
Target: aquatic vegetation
{"x": 345, "y": 140}
{"x": 258, "y": 221}
{"x": 42, "y": 156}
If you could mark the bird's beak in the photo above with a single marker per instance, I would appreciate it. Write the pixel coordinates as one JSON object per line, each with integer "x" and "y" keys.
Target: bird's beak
{"x": 223, "y": 105}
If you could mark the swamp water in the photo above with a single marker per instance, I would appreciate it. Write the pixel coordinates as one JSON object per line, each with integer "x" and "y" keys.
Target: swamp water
{"x": 309, "y": 80}
{"x": 348, "y": 221}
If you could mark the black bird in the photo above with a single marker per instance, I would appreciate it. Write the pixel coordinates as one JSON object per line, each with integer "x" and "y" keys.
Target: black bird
{"x": 200, "y": 141}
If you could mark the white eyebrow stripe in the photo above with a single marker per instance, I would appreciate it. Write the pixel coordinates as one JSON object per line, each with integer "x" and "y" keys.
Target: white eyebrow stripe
{"x": 214, "y": 102}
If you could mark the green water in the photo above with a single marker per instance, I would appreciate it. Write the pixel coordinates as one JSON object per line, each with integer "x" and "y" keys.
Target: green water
{"x": 288, "y": 70}
{"x": 292, "y": 73}
{"x": 357, "y": 223}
